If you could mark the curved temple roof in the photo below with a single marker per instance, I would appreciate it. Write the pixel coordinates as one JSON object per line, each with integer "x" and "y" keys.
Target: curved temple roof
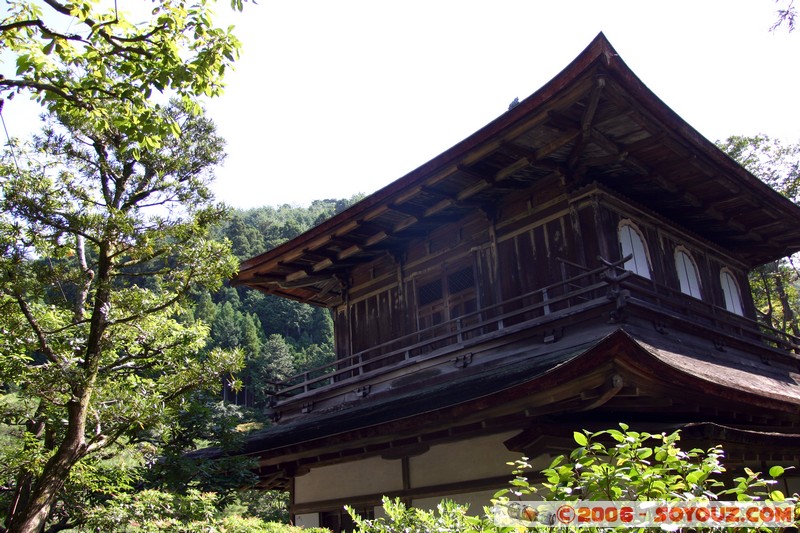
{"x": 595, "y": 122}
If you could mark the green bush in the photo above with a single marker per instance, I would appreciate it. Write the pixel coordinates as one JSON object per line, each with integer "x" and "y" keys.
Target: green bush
{"x": 153, "y": 511}
{"x": 609, "y": 465}
{"x": 620, "y": 464}
{"x": 448, "y": 517}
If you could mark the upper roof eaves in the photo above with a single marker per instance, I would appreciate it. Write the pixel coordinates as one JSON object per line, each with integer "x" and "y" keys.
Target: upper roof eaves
{"x": 598, "y": 57}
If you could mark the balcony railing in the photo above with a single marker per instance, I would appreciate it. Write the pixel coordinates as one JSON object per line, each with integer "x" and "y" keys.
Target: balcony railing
{"x": 573, "y": 295}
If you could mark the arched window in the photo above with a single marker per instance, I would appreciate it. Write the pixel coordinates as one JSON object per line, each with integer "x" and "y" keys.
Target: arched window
{"x": 687, "y": 272}
{"x": 730, "y": 289}
{"x": 632, "y": 243}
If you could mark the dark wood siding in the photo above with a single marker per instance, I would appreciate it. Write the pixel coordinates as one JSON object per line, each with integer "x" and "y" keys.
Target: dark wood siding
{"x": 522, "y": 250}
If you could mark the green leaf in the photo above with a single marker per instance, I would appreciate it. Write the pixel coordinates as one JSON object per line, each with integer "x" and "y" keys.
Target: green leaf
{"x": 776, "y": 471}
{"x": 580, "y": 438}
{"x": 694, "y": 476}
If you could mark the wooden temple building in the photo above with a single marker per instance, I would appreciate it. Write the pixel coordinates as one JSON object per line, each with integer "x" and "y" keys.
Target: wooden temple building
{"x": 580, "y": 261}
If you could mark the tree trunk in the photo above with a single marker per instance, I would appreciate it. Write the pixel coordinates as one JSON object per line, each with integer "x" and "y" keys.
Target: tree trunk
{"x": 32, "y": 517}
{"x": 789, "y": 320}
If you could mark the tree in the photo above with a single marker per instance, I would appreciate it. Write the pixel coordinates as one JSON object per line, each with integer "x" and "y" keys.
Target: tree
{"x": 200, "y": 420}
{"x": 786, "y": 15}
{"x": 273, "y": 364}
{"x": 88, "y": 63}
{"x": 100, "y": 239}
{"x": 774, "y": 285}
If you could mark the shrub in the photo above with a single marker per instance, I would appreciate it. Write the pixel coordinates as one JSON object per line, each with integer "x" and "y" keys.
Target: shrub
{"x": 153, "y": 511}
{"x": 608, "y": 465}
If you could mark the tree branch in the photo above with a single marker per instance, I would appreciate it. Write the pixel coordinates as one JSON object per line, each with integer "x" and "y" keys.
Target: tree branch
{"x": 44, "y": 346}
{"x": 48, "y": 87}
{"x": 80, "y": 303}
{"x": 58, "y": 6}
{"x": 37, "y": 23}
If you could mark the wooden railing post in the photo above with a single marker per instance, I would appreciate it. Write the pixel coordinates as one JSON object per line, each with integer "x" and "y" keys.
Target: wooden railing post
{"x": 545, "y": 298}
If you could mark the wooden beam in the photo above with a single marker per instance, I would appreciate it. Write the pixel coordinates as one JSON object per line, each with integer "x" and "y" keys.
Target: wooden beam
{"x": 665, "y": 184}
{"x": 647, "y": 143}
{"x": 587, "y": 121}
{"x": 268, "y": 278}
{"x": 561, "y": 121}
{"x": 405, "y": 210}
{"x": 348, "y": 240}
{"x": 473, "y": 189}
{"x": 766, "y": 226}
{"x": 375, "y": 213}
{"x": 434, "y": 192}
{"x": 475, "y": 173}
{"x": 325, "y": 263}
{"x": 714, "y": 213}
{"x": 602, "y": 161}
{"x": 344, "y": 254}
{"x": 406, "y": 223}
{"x": 376, "y": 238}
{"x": 291, "y": 256}
{"x": 512, "y": 169}
{"x": 296, "y": 275}
{"x": 707, "y": 208}
{"x": 317, "y": 243}
{"x": 611, "y": 147}
{"x": 329, "y": 286}
{"x": 306, "y": 281}
{"x": 557, "y": 144}
{"x": 692, "y": 200}
{"x": 575, "y": 154}
{"x": 406, "y": 196}
{"x": 594, "y": 101}
{"x": 347, "y": 228}
{"x": 322, "y": 254}
{"x": 439, "y": 206}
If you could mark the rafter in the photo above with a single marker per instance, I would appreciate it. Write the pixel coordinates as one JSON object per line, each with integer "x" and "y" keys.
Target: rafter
{"x": 613, "y": 148}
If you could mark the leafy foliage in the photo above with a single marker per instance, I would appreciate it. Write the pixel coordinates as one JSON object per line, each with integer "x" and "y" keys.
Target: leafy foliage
{"x": 152, "y": 510}
{"x": 773, "y": 162}
{"x": 787, "y": 13}
{"x": 448, "y": 517}
{"x": 99, "y": 245}
{"x": 609, "y": 465}
{"x": 774, "y": 285}
{"x": 279, "y": 337}
{"x": 200, "y": 420}
{"x": 90, "y": 63}
{"x": 622, "y": 464}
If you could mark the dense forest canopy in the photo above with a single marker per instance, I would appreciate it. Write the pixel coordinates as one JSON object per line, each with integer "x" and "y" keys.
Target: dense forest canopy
{"x": 279, "y": 337}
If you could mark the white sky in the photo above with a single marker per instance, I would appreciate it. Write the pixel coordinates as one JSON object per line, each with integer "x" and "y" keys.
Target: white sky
{"x": 332, "y": 98}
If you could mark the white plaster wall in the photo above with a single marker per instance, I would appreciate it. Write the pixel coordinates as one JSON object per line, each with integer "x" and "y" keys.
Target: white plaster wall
{"x": 307, "y": 520}
{"x": 354, "y": 478}
{"x": 477, "y": 458}
{"x": 476, "y": 501}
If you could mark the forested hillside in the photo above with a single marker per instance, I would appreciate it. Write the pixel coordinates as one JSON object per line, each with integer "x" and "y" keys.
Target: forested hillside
{"x": 279, "y": 337}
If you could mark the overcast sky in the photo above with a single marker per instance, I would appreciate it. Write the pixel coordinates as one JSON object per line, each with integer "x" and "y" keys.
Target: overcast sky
{"x": 333, "y": 98}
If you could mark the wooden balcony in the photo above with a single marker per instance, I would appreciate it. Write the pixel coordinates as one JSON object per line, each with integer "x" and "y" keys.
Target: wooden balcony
{"x": 607, "y": 293}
